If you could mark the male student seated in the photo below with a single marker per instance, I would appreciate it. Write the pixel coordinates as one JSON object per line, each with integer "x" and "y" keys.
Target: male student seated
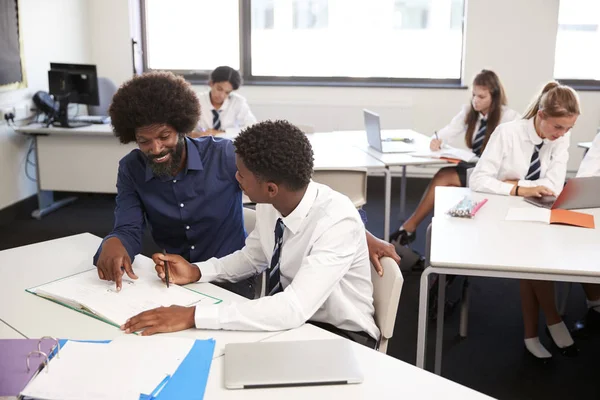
{"x": 185, "y": 189}
{"x": 308, "y": 237}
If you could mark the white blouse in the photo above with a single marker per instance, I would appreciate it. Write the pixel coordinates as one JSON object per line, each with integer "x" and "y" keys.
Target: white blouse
{"x": 508, "y": 157}
{"x": 590, "y": 166}
{"x": 234, "y": 112}
{"x": 457, "y": 127}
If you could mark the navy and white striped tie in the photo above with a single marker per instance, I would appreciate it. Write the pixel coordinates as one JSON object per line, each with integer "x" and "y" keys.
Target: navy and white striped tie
{"x": 273, "y": 281}
{"x": 216, "y": 120}
{"x": 535, "y": 166}
{"x": 479, "y": 138}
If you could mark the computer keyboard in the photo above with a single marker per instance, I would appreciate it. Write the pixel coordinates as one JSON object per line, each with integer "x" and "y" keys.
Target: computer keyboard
{"x": 91, "y": 119}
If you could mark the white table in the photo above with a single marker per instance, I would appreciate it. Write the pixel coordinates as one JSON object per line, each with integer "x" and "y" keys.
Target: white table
{"x": 27, "y": 266}
{"x": 478, "y": 247}
{"x": 584, "y": 145}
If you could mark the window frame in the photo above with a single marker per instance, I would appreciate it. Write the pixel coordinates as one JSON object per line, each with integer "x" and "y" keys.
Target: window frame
{"x": 201, "y": 77}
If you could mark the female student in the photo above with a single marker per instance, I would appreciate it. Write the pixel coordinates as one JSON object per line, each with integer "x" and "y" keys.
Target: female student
{"x": 221, "y": 109}
{"x": 476, "y": 122}
{"x": 526, "y": 158}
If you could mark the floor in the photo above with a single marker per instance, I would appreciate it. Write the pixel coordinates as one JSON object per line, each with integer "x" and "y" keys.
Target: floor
{"x": 491, "y": 360}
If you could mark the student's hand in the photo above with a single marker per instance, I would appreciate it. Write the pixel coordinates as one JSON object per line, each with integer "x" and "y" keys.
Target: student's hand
{"x": 537, "y": 191}
{"x": 181, "y": 272}
{"x": 162, "y": 319}
{"x": 379, "y": 248}
{"x": 114, "y": 261}
{"x": 435, "y": 144}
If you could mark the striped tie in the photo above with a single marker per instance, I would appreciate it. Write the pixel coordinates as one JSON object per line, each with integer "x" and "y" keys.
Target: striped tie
{"x": 216, "y": 120}
{"x": 535, "y": 166}
{"x": 479, "y": 138}
{"x": 274, "y": 283}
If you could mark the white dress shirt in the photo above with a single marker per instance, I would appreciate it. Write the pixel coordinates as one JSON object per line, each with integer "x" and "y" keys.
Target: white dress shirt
{"x": 324, "y": 269}
{"x": 508, "y": 157}
{"x": 590, "y": 166}
{"x": 234, "y": 112}
{"x": 457, "y": 128}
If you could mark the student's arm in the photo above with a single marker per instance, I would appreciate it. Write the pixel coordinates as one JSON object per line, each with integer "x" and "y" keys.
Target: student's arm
{"x": 245, "y": 118}
{"x": 330, "y": 259}
{"x": 455, "y": 128}
{"x": 554, "y": 178}
{"x": 485, "y": 175}
{"x": 590, "y": 166}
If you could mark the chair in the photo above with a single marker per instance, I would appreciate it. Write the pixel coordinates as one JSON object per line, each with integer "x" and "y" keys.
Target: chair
{"x": 249, "y": 219}
{"x": 351, "y": 181}
{"x": 106, "y": 91}
{"x": 306, "y": 128}
{"x": 386, "y": 296}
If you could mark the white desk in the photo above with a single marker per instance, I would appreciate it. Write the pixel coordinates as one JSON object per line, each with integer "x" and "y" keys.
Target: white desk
{"x": 23, "y": 267}
{"x": 478, "y": 247}
{"x": 584, "y": 145}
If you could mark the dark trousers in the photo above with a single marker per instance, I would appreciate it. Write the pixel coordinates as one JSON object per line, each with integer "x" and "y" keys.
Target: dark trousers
{"x": 358, "y": 337}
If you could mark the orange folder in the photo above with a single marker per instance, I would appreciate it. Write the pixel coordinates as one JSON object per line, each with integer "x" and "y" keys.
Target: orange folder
{"x": 568, "y": 217}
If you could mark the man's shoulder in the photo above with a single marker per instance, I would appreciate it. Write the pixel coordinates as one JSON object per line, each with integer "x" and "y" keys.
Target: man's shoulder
{"x": 133, "y": 159}
{"x": 205, "y": 144}
{"x": 334, "y": 205}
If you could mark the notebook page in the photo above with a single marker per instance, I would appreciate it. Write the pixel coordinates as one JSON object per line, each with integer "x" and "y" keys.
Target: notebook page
{"x": 531, "y": 214}
{"x": 101, "y": 297}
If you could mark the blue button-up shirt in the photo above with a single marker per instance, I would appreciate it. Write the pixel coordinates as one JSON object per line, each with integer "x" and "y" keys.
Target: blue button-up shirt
{"x": 196, "y": 214}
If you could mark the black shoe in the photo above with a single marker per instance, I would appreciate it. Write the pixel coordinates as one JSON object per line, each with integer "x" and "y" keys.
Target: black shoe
{"x": 588, "y": 326}
{"x": 536, "y": 360}
{"x": 402, "y": 238}
{"x": 570, "y": 351}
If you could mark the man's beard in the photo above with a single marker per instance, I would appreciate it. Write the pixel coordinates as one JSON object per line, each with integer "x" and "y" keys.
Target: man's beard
{"x": 169, "y": 168}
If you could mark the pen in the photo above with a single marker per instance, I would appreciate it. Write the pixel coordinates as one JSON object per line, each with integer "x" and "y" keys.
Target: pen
{"x": 166, "y": 268}
{"x": 436, "y": 135}
{"x": 405, "y": 140}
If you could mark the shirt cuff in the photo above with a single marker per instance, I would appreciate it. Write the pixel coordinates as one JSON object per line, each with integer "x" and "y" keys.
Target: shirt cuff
{"x": 526, "y": 183}
{"x": 208, "y": 271}
{"x": 207, "y": 317}
{"x": 505, "y": 188}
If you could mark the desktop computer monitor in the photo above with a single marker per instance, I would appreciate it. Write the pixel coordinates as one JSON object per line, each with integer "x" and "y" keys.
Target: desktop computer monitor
{"x": 72, "y": 83}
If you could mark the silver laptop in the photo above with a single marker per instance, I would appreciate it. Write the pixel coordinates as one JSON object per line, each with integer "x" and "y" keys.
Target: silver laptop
{"x": 578, "y": 193}
{"x": 298, "y": 363}
{"x": 373, "y": 128}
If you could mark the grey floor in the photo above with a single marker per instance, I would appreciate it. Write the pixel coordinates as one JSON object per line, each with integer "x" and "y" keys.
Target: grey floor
{"x": 490, "y": 360}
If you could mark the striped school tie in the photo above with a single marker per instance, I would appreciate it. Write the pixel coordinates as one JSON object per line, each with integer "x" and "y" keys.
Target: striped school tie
{"x": 216, "y": 120}
{"x": 479, "y": 138}
{"x": 273, "y": 281}
{"x": 535, "y": 166}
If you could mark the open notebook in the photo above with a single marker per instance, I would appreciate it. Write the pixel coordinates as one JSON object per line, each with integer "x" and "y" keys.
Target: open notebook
{"x": 563, "y": 217}
{"x": 449, "y": 153}
{"x": 86, "y": 293}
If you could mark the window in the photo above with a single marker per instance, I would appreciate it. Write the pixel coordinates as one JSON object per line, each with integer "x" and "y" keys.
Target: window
{"x": 578, "y": 41}
{"x": 191, "y": 35}
{"x": 313, "y": 41}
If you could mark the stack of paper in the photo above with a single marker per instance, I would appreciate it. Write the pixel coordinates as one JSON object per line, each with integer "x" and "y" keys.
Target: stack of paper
{"x": 85, "y": 292}
{"x": 449, "y": 153}
{"x": 130, "y": 367}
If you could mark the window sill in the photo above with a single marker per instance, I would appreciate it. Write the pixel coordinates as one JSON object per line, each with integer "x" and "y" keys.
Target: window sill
{"x": 582, "y": 85}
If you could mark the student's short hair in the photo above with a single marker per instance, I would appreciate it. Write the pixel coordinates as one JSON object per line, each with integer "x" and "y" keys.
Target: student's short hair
{"x": 276, "y": 151}
{"x": 227, "y": 74}
{"x": 154, "y": 98}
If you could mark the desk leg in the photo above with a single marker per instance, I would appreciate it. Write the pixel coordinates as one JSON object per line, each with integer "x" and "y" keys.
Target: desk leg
{"x": 388, "y": 205}
{"x": 46, "y": 201}
{"x": 439, "y": 331}
{"x": 403, "y": 194}
{"x": 422, "y": 325}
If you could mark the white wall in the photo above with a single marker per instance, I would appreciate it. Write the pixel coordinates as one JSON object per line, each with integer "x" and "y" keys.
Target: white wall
{"x": 45, "y": 40}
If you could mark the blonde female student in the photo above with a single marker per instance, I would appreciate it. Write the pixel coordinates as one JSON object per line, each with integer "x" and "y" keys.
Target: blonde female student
{"x": 475, "y": 121}
{"x": 527, "y": 158}
{"x": 221, "y": 108}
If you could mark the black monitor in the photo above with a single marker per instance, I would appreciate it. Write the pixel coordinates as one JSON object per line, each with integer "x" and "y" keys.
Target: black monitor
{"x": 72, "y": 83}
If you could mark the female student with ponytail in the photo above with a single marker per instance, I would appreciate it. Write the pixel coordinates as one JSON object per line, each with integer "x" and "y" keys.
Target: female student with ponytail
{"x": 475, "y": 121}
{"x": 527, "y": 158}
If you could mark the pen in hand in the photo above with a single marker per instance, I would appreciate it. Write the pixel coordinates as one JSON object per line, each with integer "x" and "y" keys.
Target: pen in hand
{"x": 166, "y": 267}
{"x": 436, "y": 135}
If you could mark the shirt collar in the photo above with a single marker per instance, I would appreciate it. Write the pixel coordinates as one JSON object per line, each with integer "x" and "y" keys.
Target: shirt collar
{"x": 532, "y": 134}
{"x": 223, "y": 106}
{"x": 295, "y": 218}
{"x": 193, "y": 161}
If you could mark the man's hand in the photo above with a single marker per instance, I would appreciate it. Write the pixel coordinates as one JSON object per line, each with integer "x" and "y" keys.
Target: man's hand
{"x": 537, "y": 191}
{"x": 113, "y": 260}
{"x": 379, "y": 248}
{"x": 162, "y": 319}
{"x": 181, "y": 272}
{"x": 435, "y": 144}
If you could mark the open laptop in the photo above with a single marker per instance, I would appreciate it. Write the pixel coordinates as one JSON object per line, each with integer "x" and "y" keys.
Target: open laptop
{"x": 373, "y": 128}
{"x": 578, "y": 193}
{"x": 297, "y": 363}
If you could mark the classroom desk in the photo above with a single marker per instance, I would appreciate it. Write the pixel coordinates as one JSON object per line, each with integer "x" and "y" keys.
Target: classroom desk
{"x": 477, "y": 247}
{"x": 33, "y": 316}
